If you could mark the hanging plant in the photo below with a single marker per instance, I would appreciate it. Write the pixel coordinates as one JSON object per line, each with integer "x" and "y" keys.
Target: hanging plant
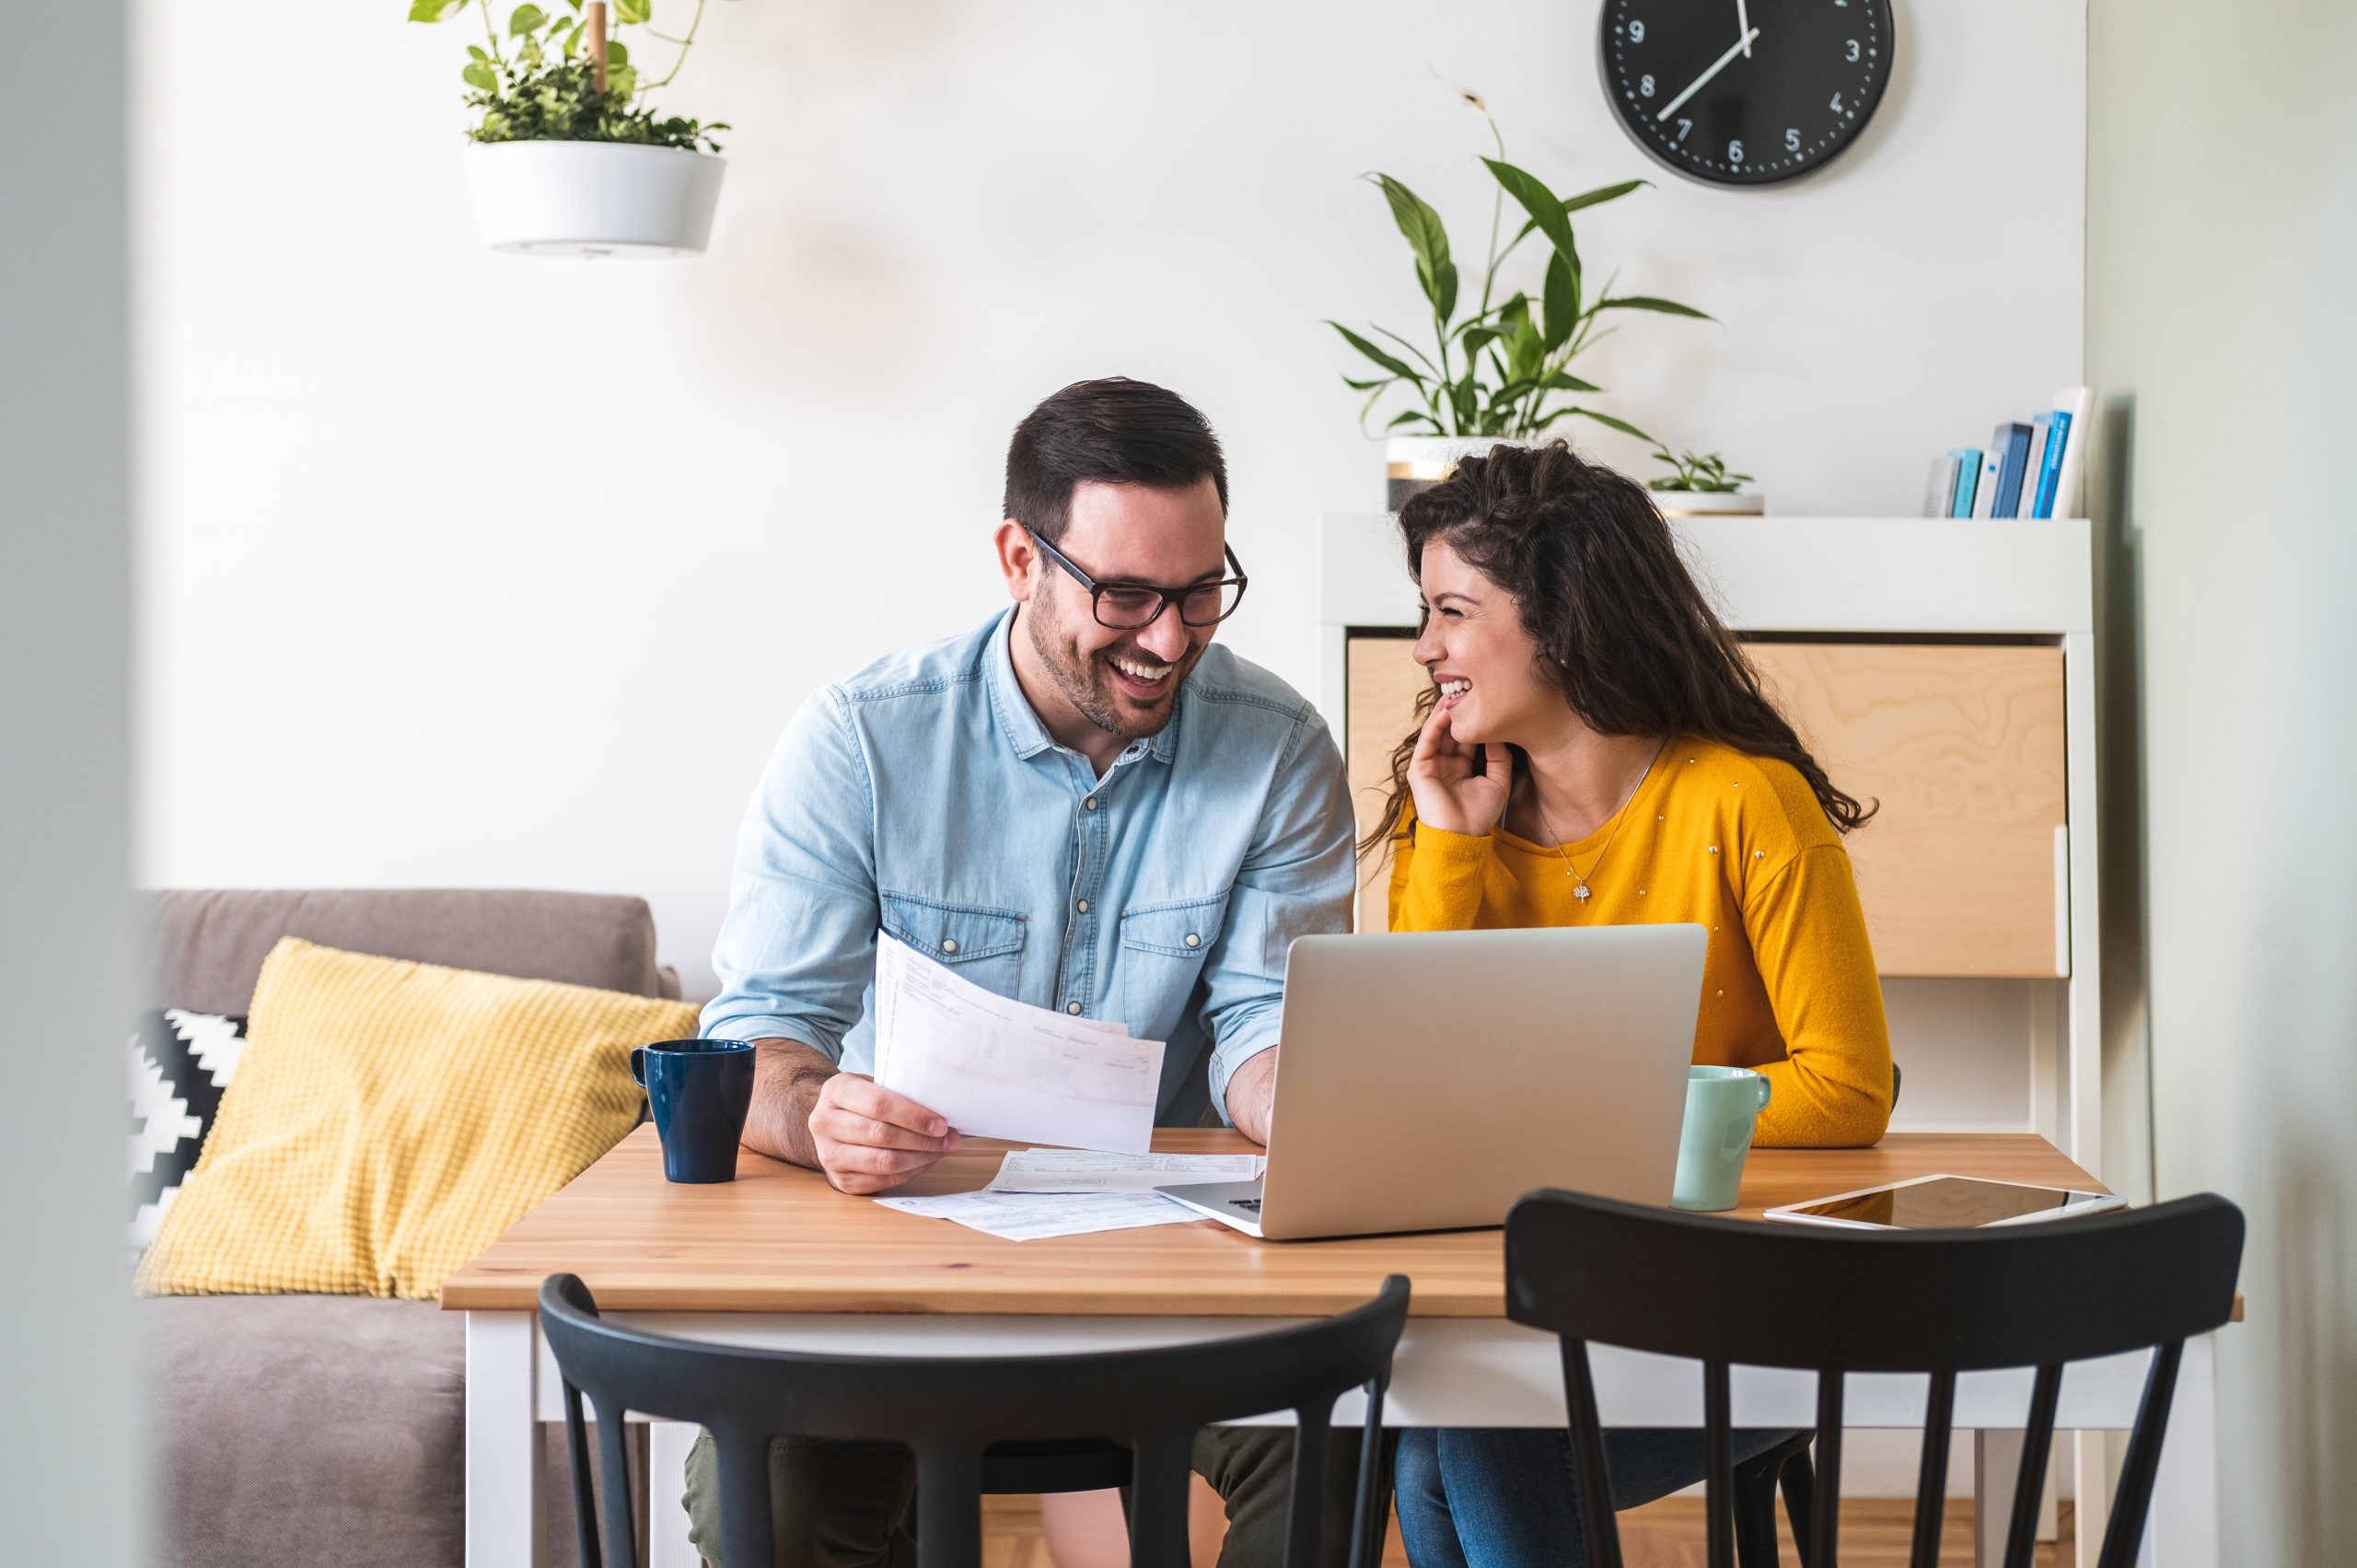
{"x": 568, "y": 158}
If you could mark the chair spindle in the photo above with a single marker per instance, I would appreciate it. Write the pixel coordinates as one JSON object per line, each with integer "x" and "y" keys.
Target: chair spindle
{"x": 1824, "y": 1508}
{"x": 1932, "y": 1478}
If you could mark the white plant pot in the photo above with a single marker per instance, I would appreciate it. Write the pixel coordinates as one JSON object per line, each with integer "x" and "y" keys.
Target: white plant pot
{"x": 1413, "y": 463}
{"x": 1707, "y": 504}
{"x": 593, "y": 198}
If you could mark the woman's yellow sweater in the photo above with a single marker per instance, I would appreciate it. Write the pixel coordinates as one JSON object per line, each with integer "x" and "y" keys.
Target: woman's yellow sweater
{"x": 1737, "y": 844}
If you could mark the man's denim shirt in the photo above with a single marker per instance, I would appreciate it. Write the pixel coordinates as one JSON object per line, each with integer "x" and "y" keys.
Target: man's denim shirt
{"x": 923, "y": 796}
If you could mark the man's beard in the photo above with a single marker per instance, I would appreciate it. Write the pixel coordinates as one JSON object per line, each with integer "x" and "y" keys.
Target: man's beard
{"x": 1086, "y": 681}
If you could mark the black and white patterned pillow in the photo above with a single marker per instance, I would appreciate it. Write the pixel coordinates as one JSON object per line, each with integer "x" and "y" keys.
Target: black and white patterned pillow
{"x": 179, "y": 1064}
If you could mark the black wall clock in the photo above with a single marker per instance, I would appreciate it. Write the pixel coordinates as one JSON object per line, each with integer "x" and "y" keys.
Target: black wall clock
{"x": 1744, "y": 92}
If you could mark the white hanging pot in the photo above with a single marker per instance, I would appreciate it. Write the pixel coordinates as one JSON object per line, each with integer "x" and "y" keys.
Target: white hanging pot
{"x": 1707, "y": 504}
{"x": 593, "y": 198}
{"x": 1413, "y": 463}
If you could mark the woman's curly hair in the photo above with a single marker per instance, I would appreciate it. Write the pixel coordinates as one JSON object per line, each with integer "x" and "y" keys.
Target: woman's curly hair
{"x": 1621, "y": 628}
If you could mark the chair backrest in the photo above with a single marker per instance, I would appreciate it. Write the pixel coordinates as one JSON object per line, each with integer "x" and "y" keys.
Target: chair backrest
{"x": 948, "y": 1409}
{"x": 1734, "y": 1292}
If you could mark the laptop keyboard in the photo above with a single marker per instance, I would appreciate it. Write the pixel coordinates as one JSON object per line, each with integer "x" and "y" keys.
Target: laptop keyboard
{"x": 1250, "y": 1206}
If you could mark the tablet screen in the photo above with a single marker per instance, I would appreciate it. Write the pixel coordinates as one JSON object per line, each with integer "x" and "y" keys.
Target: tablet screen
{"x": 1951, "y": 1203}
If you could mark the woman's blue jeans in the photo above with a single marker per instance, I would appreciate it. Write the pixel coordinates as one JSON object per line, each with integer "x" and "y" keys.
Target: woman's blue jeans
{"x": 1504, "y": 1497}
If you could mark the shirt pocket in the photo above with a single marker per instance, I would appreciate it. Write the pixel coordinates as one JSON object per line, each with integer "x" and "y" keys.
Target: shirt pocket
{"x": 1162, "y": 948}
{"x": 982, "y": 944}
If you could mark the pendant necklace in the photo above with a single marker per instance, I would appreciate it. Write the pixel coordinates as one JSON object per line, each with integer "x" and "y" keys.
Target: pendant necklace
{"x": 1579, "y": 882}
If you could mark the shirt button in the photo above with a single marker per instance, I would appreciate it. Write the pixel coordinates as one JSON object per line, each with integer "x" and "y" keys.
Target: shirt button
{"x": 1084, "y": 906}
{"x": 1193, "y": 940}
{"x": 1090, "y": 803}
{"x": 1072, "y": 1008}
{"x": 950, "y": 943}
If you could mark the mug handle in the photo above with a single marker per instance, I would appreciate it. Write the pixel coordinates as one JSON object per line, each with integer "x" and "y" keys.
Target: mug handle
{"x": 1766, "y": 1091}
{"x": 638, "y": 1067}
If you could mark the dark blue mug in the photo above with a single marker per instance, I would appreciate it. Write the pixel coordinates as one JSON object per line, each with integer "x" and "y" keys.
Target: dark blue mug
{"x": 700, "y": 1090}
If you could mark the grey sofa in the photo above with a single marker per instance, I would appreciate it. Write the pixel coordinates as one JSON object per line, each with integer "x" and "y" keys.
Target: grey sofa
{"x": 324, "y": 1429}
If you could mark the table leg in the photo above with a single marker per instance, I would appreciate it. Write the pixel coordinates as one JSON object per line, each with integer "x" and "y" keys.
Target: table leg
{"x": 2183, "y": 1529}
{"x": 502, "y": 1440}
{"x": 667, "y": 1546}
{"x": 1996, "y": 1462}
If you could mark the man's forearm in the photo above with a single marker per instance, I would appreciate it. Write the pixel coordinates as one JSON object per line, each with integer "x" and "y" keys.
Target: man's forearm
{"x": 787, "y": 1075}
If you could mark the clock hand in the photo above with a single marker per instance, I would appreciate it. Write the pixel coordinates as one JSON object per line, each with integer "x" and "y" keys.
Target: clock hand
{"x": 1740, "y": 46}
{"x": 1742, "y": 24}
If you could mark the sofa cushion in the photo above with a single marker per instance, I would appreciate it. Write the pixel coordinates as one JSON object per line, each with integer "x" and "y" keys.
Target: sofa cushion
{"x": 390, "y": 1119}
{"x": 309, "y": 1429}
{"x": 179, "y": 1064}
{"x": 209, "y": 944}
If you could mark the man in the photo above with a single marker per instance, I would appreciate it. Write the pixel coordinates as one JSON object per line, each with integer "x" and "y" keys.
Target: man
{"x": 1085, "y": 805}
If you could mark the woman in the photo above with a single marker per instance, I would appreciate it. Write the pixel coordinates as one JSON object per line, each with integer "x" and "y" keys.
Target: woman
{"x": 1596, "y": 751}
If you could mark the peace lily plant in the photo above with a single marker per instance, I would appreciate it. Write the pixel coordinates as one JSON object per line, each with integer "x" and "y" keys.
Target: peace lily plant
{"x": 1493, "y": 365}
{"x": 567, "y": 156}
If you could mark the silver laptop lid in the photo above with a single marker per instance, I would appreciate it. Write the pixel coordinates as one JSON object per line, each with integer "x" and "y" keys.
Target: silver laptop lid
{"x": 1428, "y": 1079}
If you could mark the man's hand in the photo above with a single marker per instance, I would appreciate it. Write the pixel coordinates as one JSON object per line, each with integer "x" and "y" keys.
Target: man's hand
{"x": 864, "y": 1138}
{"x": 868, "y": 1139}
{"x": 1252, "y": 1093}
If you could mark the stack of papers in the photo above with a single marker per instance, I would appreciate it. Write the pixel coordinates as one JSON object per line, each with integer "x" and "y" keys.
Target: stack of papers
{"x": 1042, "y": 1192}
{"x": 994, "y": 1067}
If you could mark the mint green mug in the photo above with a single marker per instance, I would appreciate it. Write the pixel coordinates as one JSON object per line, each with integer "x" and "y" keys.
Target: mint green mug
{"x": 1722, "y": 1105}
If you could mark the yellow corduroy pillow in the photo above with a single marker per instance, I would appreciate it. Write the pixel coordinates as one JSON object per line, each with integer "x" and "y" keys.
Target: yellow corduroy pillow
{"x": 390, "y": 1119}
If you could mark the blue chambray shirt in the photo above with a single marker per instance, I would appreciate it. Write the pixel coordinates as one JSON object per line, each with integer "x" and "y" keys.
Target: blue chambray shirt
{"x": 923, "y": 796}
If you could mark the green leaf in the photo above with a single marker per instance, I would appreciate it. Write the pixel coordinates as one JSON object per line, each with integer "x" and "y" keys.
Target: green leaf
{"x": 572, "y": 39}
{"x": 479, "y": 75}
{"x": 1375, "y": 385}
{"x": 524, "y": 19}
{"x": 1524, "y": 351}
{"x": 617, "y": 53}
{"x": 474, "y": 51}
{"x": 1426, "y": 237}
{"x": 1546, "y": 209}
{"x": 1564, "y": 381}
{"x": 1619, "y": 424}
{"x": 1563, "y": 302}
{"x": 633, "y": 11}
{"x": 1601, "y": 194}
{"x": 1476, "y": 339}
{"x": 1410, "y": 417}
{"x": 1646, "y": 302}
{"x": 622, "y": 81}
{"x": 433, "y": 10}
{"x": 1398, "y": 367}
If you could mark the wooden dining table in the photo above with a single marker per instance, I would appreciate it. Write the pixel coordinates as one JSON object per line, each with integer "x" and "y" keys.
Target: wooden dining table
{"x": 777, "y": 1257}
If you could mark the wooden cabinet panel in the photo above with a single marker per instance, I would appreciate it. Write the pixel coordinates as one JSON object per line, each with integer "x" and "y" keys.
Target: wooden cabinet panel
{"x": 1963, "y": 744}
{"x": 1384, "y": 681}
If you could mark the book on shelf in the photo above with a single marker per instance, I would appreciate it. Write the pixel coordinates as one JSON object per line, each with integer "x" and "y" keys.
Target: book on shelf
{"x": 2050, "y": 468}
{"x": 2013, "y": 439}
{"x": 1967, "y": 480}
{"x": 1984, "y": 493}
{"x": 1939, "y": 495}
{"x": 2039, "y": 428}
{"x": 2079, "y": 404}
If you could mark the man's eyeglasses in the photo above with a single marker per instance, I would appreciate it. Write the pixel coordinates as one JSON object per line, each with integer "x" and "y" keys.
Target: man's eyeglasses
{"x": 1131, "y": 607}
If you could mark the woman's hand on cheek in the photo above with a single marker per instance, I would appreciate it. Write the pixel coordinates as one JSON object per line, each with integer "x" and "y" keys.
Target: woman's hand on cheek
{"x": 1458, "y": 788}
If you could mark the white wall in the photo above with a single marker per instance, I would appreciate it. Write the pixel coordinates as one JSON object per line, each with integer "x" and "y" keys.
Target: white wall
{"x": 2222, "y": 217}
{"x": 73, "y": 1487}
{"x": 466, "y": 569}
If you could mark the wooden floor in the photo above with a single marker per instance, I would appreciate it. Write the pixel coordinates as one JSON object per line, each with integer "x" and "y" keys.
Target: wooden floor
{"x": 1668, "y": 1534}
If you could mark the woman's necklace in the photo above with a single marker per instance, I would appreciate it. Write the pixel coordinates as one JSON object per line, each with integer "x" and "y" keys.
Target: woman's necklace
{"x": 1579, "y": 880}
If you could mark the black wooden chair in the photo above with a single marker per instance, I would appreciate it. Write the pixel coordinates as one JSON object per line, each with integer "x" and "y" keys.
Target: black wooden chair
{"x": 1735, "y": 1292}
{"x": 952, "y": 1411}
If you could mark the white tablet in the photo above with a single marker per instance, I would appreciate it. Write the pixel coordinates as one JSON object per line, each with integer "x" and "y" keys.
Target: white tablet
{"x": 1946, "y": 1203}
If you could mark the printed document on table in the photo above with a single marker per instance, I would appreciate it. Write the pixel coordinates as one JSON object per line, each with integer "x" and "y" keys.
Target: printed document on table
{"x": 994, "y": 1067}
{"x": 1086, "y": 1170}
{"x": 1024, "y": 1216}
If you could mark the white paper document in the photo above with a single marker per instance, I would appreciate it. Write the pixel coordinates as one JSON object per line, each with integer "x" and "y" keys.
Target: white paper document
{"x": 1030, "y": 1216}
{"x": 994, "y": 1067}
{"x": 1087, "y": 1170}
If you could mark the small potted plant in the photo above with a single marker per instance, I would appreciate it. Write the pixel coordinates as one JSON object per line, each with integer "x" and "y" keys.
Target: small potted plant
{"x": 567, "y": 157}
{"x": 1700, "y": 487}
{"x": 1499, "y": 364}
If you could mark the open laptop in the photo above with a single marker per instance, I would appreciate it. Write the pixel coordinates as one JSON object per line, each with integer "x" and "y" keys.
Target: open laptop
{"x": 1428, "y": 1079}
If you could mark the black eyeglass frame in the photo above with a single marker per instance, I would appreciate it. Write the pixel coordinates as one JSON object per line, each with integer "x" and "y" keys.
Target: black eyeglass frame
{"x": 1164, "y": 599}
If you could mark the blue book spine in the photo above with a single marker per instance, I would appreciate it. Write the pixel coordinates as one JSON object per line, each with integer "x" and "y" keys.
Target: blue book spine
{"x": 2014, "y": 441}
{"x": 1968, "y": 475}
{"x": 2050, "y": 473}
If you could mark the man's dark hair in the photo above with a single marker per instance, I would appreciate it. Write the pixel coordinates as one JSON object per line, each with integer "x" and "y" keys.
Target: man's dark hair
{"x": 1116, "y": 431}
